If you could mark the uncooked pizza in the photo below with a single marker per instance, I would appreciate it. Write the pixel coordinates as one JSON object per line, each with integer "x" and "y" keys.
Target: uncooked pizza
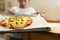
{"x": 16, "y": 22}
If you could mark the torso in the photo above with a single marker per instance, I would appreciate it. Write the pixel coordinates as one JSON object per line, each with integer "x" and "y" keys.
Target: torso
{"x": 19, "y": 11}
{"x": 22, "y": 11}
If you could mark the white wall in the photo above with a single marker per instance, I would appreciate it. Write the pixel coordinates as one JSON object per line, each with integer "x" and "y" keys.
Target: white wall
{"x": 50, "y": 7}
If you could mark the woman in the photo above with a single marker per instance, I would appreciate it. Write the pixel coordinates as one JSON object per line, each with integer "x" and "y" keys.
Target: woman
{"x": 23, "y": 9}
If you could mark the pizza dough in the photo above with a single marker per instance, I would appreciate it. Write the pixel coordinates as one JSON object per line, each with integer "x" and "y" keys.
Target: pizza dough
{"x": 16, "y": 22}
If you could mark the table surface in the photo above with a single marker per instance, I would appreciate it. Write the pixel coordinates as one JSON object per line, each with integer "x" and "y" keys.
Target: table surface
{"x": 55, "y": 28}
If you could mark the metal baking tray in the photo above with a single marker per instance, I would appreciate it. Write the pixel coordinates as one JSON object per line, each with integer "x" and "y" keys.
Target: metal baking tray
{"x": 39, "y": 24}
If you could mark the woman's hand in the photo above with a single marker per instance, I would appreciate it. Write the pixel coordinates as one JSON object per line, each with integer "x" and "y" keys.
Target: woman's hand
{"x": 42, "y": 14}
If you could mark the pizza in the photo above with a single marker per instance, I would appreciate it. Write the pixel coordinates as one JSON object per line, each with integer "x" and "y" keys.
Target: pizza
{"x": 16, "y": 22}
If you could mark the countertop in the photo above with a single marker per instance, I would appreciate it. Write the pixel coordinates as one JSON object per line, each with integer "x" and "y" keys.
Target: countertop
{"x": 55, "y": 28}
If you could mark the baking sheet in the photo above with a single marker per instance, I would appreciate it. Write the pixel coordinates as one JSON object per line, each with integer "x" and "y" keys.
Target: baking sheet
{"x": 38, "y": 22}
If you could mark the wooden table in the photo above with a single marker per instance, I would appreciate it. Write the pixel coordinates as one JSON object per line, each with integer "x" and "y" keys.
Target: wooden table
{"x": 54, "y": 34}
{"x": 55, "y": 28}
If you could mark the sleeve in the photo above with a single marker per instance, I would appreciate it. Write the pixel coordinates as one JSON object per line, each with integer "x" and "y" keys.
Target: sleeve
{"x": 12, "y": 10}
{"x": 33, "y": 10}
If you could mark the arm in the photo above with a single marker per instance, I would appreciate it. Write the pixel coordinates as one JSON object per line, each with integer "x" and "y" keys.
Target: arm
{"x": 9, "y": 13}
